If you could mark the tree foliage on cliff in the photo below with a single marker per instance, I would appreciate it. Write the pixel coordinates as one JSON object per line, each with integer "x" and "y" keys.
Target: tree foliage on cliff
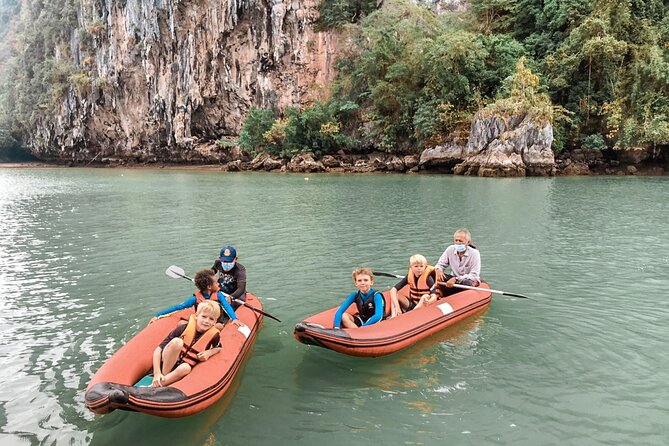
{"x": 38, "y": 69}
{"x": 317, "y": 129}
{"x": 9, "y": 10}
{"x": 417, "y": 77}
{"x": 338, "y": 12}
{"x": 411, "y": 79}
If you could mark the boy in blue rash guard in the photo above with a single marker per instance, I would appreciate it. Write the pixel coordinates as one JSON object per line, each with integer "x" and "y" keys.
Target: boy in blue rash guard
{"x": 367, "y": 299}
{"x": 208, "y": 289}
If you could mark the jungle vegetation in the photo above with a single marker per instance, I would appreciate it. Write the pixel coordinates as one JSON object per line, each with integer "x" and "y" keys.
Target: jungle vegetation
{"x": 416, "y": 79}
{"x": 598, "y": 70}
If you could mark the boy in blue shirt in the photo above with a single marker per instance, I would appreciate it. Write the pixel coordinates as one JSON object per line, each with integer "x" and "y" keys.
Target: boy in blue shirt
{"x": 368, "y": 301}
{"x": 208, "y": 289}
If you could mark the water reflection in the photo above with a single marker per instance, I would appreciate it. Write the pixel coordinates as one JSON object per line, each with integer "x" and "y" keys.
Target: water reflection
{"x": 82, "y": 261}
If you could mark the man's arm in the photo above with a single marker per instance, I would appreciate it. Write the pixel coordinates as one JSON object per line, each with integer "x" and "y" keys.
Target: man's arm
{"x": 441, "y": 265}
{"x": 241, "y": 282}
{"x": 443, "y": 261}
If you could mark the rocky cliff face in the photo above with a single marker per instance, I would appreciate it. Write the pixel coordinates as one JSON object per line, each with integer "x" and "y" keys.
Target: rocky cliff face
{"x": 170, "y": 73}
{"x": 498, "y": 146}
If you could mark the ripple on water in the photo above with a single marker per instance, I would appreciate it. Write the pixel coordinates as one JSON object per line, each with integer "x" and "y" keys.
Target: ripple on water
{"x": 82, "y": 262}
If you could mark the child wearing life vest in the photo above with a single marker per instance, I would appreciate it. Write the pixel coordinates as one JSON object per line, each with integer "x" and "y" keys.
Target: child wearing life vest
{"x": 367, "y": 299}
{"x": 421, "y": 280}
{"x": 208, "y": 289}
{"x": 187, "y": 345}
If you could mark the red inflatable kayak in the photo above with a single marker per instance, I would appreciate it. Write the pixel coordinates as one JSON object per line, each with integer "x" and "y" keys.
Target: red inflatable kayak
{"x": 112, "y": 387}
{"x": 388, "y": 336}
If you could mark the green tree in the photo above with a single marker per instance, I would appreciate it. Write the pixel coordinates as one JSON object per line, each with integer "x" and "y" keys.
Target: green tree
{"x": 257, "y": 123}
{"x": 493, "y": 16}
{"x": 525, "y": 97}
{"x": 316, "y": 129}
{"x": 543, "y": 24}
{"x": 338, "y": 12}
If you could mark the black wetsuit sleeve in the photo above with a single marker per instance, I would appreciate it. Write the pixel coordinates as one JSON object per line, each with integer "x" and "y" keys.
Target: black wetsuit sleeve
{"x": 173, "y": 334}
{"x": 240, "y": 275}
{"x": 401, "y": 284}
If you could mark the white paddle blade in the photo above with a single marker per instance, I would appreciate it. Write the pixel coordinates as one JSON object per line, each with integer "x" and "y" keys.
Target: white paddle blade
{"x": 175, "y": 272}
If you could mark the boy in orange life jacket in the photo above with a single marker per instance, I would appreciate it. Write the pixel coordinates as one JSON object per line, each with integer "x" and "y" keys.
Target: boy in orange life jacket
{"x": 420, "y": 279}
{"x": 187, "y": 345}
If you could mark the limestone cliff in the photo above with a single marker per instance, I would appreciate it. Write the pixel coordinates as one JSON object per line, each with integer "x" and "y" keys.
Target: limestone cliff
{"x": 167, "y": 74}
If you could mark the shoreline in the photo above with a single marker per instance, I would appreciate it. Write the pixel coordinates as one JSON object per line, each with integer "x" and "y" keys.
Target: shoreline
{"x": 646, "y": 170}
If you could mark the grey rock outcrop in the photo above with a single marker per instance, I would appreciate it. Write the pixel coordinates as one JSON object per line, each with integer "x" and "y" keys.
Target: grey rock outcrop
{"x": 512, "y": 146}
{"x": 411, "y": 161}
{"x": 264, "y": 161}
{"x": 330, "y": 162}
{"x": 442, "y": 158}
{"x": 497, "y": 146}
{"x": 574, "y": 168}
{"x": 632, "y": 155}
{"x": 305, "y": 162}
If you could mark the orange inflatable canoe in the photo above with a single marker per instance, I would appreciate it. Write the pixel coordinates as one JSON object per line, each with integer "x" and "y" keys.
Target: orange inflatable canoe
{"x": 112, "y": 387}
{"x": 390, "y": 335}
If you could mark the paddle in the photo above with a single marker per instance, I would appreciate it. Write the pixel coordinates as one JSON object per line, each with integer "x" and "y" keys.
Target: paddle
{"x": 457, "y": 285}
{"x": 178, "y": 273}
{"x": 503, "y": 293}
{"x": 379, "y": 273}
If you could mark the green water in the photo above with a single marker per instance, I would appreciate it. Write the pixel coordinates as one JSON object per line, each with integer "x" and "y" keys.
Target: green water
{"x": 82, "y": 260}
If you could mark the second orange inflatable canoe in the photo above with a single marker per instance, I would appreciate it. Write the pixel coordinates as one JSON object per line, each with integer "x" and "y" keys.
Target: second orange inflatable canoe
{"x": 112, "y": 387}
{"x": 388, "y": 336}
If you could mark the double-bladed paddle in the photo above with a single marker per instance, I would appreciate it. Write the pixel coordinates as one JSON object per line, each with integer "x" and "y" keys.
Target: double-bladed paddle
{"x": 379, "y": 273}
{"x": 457, "y": 285}
{"x": 178, "y": 273}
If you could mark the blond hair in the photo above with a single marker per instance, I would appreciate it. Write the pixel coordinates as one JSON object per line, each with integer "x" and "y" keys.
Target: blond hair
{"x": 363, "y": 270}
{"x": 417, "y": 259}
{"x": 209, "y": 307}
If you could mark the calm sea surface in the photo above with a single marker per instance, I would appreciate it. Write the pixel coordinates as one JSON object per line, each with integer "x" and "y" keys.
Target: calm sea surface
{"x": 83, "y": 254}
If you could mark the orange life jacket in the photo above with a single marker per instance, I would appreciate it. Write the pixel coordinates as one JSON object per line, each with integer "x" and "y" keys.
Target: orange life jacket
{"x": 199, "y": 297}
{"x": 191, "y": 347}
{"x": 418, "y": 286}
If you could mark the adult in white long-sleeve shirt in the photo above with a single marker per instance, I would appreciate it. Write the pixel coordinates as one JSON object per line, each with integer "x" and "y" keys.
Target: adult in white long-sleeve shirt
{"x": 465, "y": 263}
